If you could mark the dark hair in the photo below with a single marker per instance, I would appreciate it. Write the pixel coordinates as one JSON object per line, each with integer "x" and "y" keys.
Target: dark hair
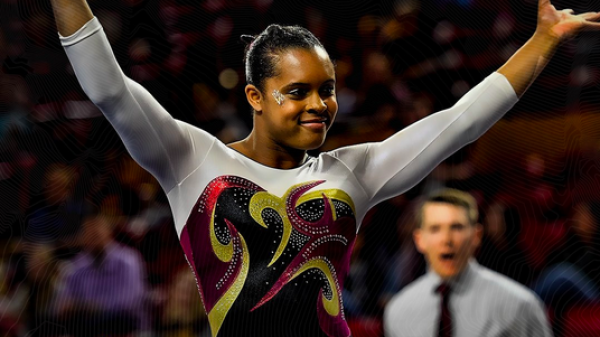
{"x": 452, "y": 197}
{"x": 261, "y": 50}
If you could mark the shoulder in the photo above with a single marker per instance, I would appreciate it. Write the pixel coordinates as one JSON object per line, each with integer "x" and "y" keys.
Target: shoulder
{"x": 126, "y": 255}
{"x": 409, "y": 296}
{"x": 197, "y": 134}
{"x": 75, "y": 267}
{"x": 351, "y": 155}
{"x": 508, "y": 290}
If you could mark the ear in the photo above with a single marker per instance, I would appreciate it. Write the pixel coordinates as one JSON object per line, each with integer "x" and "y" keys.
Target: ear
{"x": 254, "y": 97}
{"x": 418, "y": 238}
{"x": 478, "y": 235}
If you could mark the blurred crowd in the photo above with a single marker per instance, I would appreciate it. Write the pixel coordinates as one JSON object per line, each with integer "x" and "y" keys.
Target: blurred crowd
{"x": 87, "y": 243}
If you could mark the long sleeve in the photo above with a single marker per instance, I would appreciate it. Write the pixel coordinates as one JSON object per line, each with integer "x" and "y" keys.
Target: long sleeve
{"x": 391, "y": 167}
{"x": 167, "y": 148}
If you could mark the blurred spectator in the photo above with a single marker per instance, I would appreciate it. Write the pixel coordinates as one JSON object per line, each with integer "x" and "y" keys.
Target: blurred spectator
{"x": 500, "y": 248}
{"x": 55, "y": 214}
{"x": 42, "y": 278}
{"x": 104, "y": 289}
{"x": 457, "y": 296}
{"x": 406, "y": 264}
{"x": 183, "y": 314}
{"x": 573, "y": 275}
{"x": 13, "y": 293}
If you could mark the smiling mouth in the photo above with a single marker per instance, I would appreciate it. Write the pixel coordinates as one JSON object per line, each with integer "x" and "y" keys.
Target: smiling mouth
{"x": 315, "y": 125}
{"x": 315, "y": 121}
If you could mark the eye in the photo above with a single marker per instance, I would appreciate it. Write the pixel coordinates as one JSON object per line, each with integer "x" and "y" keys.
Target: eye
{"x": 328, "y": 91}
{"x": 458, "y": 227}
{"x": 298, "y": 92}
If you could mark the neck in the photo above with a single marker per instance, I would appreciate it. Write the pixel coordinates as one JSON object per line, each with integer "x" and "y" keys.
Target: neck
{"x": 272, "y": 154}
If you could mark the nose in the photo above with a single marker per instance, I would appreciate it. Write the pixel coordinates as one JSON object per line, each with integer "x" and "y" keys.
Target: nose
{"x": 447, "y": 238}
{"x": 316, "y": 104}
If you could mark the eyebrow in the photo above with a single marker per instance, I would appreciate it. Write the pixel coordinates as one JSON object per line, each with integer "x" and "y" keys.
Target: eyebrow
{"x": 301, "y": 84}
{"x": 438, "y": 225}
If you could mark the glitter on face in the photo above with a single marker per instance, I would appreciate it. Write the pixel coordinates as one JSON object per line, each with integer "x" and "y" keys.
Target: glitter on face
{"x": 278, "y": 96}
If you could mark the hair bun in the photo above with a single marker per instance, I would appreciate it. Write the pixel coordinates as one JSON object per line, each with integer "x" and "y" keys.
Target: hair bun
{"x": 273, "y": 29}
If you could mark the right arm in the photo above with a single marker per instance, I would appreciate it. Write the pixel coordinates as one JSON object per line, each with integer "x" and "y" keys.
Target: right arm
{"x": 159, "y": 143}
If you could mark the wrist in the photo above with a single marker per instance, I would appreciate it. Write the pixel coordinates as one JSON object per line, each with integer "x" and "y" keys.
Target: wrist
{"x": 546, "y": 41}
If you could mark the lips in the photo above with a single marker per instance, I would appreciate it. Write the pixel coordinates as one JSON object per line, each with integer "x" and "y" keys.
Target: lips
{"x": 316, "y": 120}
{"x": 447, "y": 256}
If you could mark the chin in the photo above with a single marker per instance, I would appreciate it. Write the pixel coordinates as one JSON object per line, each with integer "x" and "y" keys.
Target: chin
{"x": 447, "y": 274}
{"x": 307, "y": 144}
{"x": 315, "y": 145}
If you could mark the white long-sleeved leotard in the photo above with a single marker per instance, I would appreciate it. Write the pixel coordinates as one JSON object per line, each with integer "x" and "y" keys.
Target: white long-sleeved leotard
{"x": 270, "y": 248}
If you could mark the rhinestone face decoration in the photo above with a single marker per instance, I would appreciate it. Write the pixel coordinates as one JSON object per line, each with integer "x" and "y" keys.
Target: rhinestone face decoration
{"x": 278, "y": 96}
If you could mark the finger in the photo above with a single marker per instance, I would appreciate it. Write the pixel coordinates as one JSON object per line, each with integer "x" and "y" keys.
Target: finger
{"x": 588, "y": 25}
{"x": 542, "y": 3}
{"x": 590, "y": 16}
{"x": 566, "y": 13}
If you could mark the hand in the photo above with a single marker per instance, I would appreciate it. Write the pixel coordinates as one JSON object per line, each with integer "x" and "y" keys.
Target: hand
{"x": 564, "y": 23}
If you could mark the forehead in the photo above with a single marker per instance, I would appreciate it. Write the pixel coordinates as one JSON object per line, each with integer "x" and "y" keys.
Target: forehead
{"x": 444, "y": 213}
{"x": 304, "y": 65}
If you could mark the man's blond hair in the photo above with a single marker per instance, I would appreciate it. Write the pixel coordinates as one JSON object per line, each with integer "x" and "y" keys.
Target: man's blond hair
{"x": 453, "y": 197}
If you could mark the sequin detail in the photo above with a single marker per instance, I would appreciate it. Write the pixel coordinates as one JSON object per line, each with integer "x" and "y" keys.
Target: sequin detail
{"x": 310, "y": 239}
{"x": 278, "y": 96}
{"x": 313, "y": 252}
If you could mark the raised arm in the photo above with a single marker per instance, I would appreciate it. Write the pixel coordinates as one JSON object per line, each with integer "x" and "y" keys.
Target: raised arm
{"x": 395, "y": 165}
{"x": 167, "y": 148}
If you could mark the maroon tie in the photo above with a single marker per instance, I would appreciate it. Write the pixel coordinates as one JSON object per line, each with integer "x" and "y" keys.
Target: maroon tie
{"x": 445, "y": 326}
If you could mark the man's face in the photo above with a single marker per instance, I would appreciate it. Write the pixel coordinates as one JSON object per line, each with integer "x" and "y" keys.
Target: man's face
{"x": 446, "y": 238}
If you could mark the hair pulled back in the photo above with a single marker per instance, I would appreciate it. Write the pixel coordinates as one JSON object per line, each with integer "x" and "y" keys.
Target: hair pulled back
{"x": 261, "y": 50}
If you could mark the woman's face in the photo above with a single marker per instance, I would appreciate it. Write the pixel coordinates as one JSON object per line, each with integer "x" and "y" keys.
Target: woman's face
{"x": 299, "y": 104}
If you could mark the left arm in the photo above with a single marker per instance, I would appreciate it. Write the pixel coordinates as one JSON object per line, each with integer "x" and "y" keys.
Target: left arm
{"x": 395, "y": 165}
{"x": 392, "y": 167}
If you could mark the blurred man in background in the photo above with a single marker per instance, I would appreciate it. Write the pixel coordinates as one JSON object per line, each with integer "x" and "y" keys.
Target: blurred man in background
{"x": 457, "y": 296}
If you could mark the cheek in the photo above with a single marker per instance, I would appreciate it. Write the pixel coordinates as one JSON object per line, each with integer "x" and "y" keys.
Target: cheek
{"x": 432, "y": 243}
{"x": 332, "y": 105}
{"x": 465, "y": 243}
{"x": 290, "y": 109}
{"x": 281, "y": 115}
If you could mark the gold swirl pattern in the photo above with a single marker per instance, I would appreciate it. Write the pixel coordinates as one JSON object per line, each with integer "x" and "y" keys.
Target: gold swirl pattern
{"x": 259, "y": 202}
{"x": 331, "y": 305}
{"x": 262, "y": 200}
{"x": 217, "y": 315}
{"x": 223, "y": 252}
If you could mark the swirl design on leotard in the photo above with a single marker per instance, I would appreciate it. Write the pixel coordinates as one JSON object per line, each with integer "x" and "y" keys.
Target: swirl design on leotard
{"x": 314, "y": 254}
{"x": 316, "y": 233}
{"x": 219, "y": 261}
